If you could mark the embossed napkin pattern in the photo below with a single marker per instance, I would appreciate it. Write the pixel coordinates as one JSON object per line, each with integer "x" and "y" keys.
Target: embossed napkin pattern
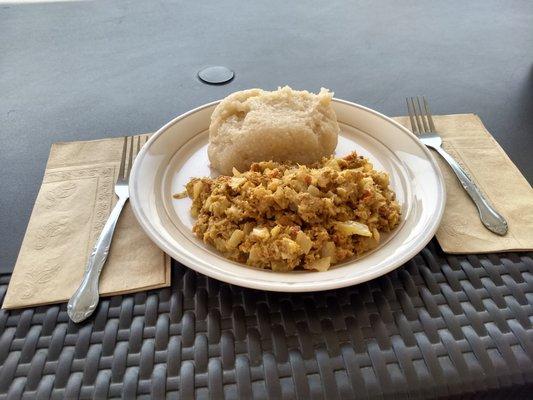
{"x": 471, "y": 145}
{"x": 75, "y": 199}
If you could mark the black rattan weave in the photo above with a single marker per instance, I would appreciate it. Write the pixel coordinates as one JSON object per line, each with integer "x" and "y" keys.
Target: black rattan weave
{"x": 441, "y": 325}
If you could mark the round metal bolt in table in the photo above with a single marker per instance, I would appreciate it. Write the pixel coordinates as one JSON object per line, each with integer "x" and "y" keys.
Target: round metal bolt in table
{"x": 216, "y": 75}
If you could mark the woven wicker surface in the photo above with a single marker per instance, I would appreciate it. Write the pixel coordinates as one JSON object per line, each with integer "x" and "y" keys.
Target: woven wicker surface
{"x": 441, "y": 325}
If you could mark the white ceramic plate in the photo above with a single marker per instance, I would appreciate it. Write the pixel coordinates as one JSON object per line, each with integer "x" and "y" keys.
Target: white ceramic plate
{"x": 178, "y": 152}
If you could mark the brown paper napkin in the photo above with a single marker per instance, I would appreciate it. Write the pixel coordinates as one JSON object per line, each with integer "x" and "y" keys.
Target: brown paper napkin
{"x": 466, "y": 139}
{"x": 76, "y": 196}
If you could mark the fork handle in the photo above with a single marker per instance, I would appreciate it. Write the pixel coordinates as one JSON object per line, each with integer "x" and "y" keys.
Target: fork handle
{"x": 492, "y": 220}
{"x": 84, "y": 301}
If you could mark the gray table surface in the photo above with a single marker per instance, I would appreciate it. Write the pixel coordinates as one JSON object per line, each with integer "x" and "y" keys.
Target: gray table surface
{"x": 92, "y": 69}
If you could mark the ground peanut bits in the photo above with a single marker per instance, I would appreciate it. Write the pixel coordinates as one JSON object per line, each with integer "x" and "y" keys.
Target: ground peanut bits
{"x": 281, "y": 217}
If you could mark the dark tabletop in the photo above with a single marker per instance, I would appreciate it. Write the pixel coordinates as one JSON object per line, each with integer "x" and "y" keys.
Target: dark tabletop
{"x": 94, "y": 69}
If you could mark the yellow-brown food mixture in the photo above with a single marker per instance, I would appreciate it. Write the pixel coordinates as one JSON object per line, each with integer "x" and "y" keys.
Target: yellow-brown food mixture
{"x": 281, "y": 217}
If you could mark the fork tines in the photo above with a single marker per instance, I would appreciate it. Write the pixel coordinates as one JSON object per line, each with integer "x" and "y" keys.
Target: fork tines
{"x": 420, "y": 117}
{"x": 132, "y": 146}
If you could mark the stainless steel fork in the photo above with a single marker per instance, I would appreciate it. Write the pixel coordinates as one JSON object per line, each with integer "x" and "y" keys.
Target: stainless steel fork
{"x": 423, "y": 126}
{"x": 84, "y": 301}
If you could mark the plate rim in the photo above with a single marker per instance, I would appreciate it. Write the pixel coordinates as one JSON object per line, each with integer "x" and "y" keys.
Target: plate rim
{"x": 150, "y": 230}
